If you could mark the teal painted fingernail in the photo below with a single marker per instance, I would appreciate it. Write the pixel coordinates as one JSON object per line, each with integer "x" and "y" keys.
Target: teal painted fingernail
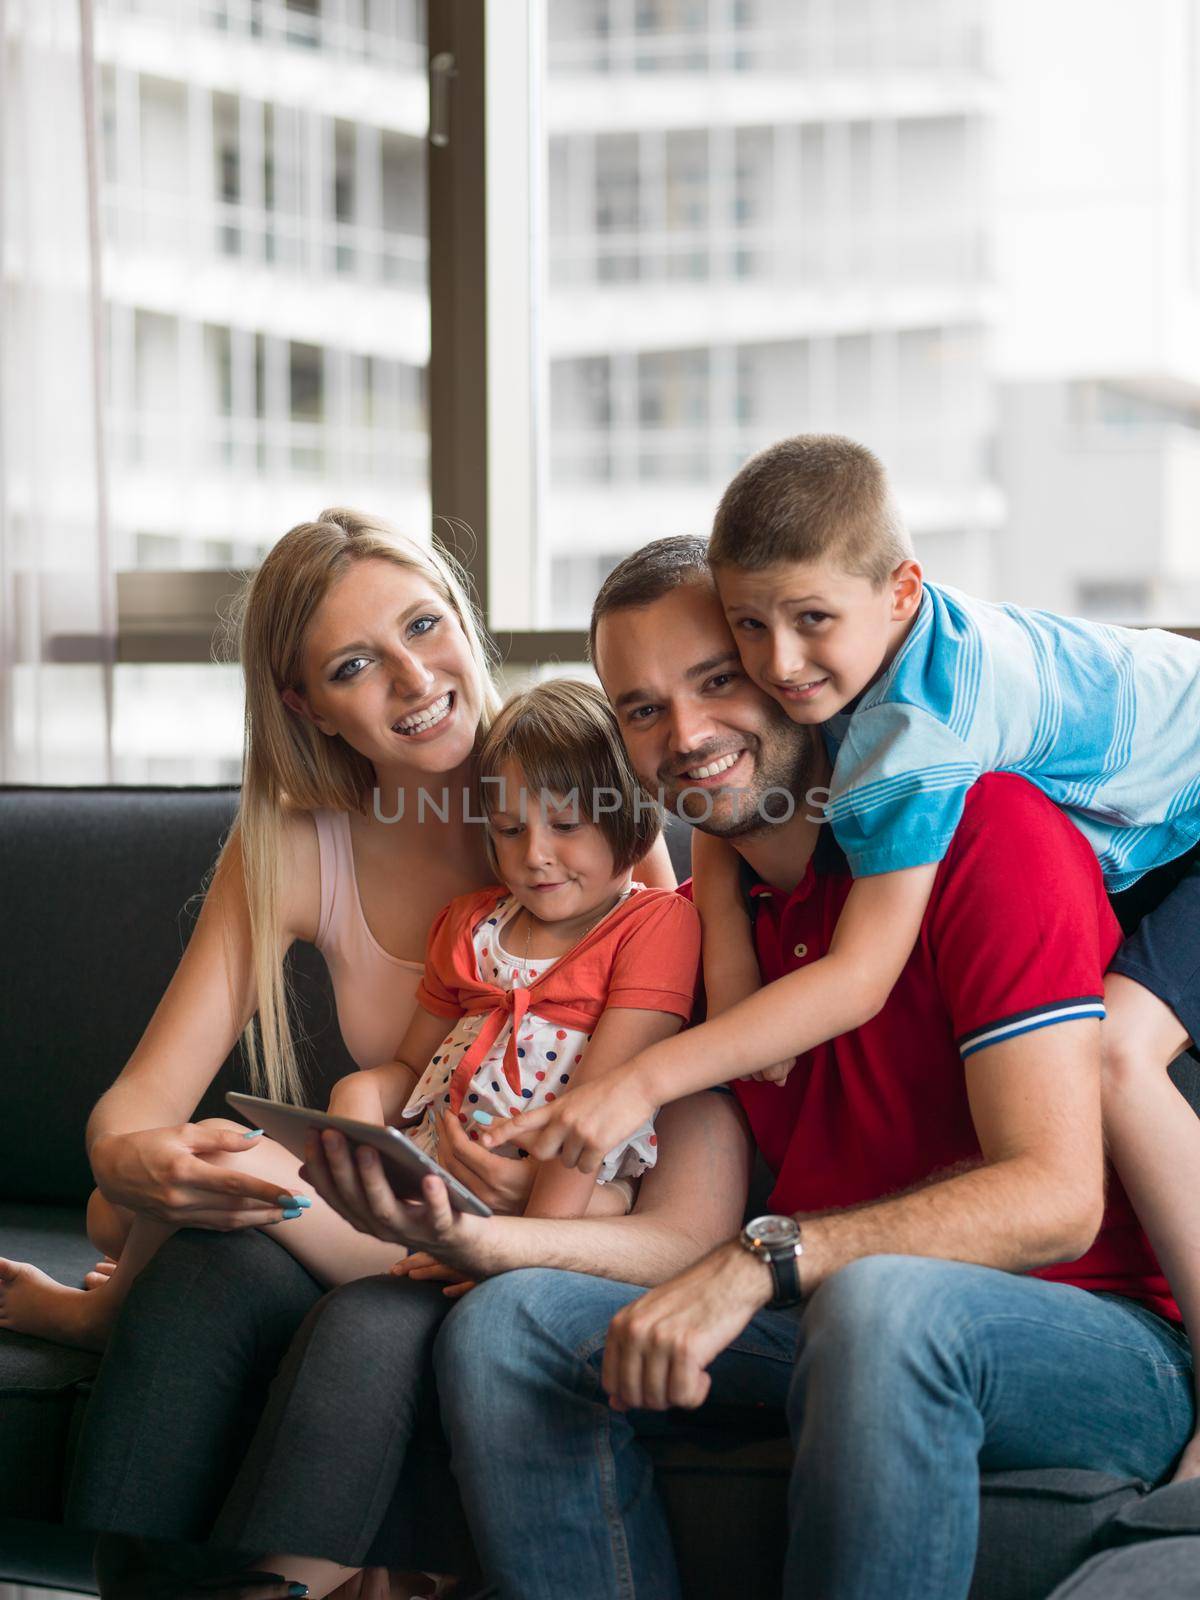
{"x": 253, "y": 1134}
{"x": 483, "y": 1116}
{"x": 292, "y": 1213}
{"x": 298, "y": 1588}
{"x": 293, "y": 1200}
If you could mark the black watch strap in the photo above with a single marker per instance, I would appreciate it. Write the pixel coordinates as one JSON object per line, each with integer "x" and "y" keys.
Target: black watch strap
{"x": 785, "y": 1270}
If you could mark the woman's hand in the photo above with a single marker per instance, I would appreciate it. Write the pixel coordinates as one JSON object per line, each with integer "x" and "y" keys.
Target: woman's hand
{"x": 500, "y": 1182}
{"x": 162, "y": 1173}
{"x": 353, "y": 1183}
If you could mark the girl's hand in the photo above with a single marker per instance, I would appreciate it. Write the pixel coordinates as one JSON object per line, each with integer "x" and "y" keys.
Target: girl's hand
{"x": 162, "y": 1173}
{"x": 582, "y": 1127}
{"x": 500, "y": 1182}
{"x": 353, "y": 1183}
{"x": 422, "y": 1268}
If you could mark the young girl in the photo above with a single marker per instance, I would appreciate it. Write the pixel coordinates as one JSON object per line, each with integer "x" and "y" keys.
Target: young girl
{"x": 524, "y": 1015}
{"x": 565, "y": 970}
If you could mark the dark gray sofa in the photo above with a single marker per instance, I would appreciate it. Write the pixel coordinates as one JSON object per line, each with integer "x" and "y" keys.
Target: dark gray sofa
{"x": 98, "y": 891}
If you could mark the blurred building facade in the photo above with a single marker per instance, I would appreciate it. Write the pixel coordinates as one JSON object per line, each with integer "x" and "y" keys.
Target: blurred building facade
{"x": 264, "y": 269}
{"x": 1098, "y": 351}
{"x": 914, "y": 221}
{"x": 768, "y": 216}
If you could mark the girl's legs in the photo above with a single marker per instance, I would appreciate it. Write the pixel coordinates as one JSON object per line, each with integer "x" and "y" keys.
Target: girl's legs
{"x": 327, "y": 1245}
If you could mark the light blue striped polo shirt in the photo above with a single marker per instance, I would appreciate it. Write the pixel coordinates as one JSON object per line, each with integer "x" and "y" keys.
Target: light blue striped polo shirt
{"x": 1104, "y": 720}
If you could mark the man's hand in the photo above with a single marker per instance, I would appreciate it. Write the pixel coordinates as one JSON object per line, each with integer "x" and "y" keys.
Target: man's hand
{"x": 353, "y": 1183}
{"x": 582, "y": 1127}
{"x": 659, "y": 1346}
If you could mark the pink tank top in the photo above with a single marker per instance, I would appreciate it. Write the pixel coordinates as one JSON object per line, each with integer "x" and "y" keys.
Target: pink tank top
{"x": 374, "y": 992}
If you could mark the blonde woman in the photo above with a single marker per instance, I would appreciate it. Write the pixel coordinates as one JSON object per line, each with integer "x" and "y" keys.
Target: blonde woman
{"x": 365, "y": 669}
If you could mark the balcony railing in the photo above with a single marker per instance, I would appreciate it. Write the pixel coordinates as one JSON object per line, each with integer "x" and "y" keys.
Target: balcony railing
{"x": 255, "y": 447}
{"x": 911, "y": 252}
{"x": 391, "y": 37}
{"x": 946, "y": 39}
{"x": 935, "y": 455}
{"x": 174, "y": 225}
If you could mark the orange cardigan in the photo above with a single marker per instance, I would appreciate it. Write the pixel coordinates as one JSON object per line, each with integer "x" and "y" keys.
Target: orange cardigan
{"x": 645, "y": 954}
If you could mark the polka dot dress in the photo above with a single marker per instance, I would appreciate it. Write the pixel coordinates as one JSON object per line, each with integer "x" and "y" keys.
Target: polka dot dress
{"x": 547, "y": 1055}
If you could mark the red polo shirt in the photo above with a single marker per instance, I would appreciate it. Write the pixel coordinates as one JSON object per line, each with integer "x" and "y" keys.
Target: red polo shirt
{"x": 1017, "y": 936}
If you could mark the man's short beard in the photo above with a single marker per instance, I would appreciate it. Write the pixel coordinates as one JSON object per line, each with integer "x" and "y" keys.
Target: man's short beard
{"x": 784, "y": 773}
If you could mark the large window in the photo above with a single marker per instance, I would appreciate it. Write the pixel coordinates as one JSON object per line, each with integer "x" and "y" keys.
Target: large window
{"x": 664, "y": 233}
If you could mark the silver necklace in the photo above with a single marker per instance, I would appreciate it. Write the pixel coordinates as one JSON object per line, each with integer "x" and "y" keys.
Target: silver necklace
{"x": 529, "y": 931}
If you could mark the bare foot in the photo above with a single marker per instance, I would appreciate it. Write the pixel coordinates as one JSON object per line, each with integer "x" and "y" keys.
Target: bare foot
{"x": 33, "y": 1302}
{"x": 100, "y": 1273}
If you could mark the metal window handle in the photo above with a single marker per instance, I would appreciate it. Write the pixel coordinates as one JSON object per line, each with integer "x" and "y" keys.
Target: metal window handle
{"x": 441, "y": 71}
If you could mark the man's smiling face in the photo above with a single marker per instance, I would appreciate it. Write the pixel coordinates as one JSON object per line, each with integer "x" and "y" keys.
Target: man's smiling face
{"x": 691, "y": 718}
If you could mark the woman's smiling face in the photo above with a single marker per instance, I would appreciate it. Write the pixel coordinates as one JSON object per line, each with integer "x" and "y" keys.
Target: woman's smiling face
{"x": 388, "y": 667}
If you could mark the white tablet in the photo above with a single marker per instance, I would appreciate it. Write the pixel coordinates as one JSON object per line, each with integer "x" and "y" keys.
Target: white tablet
{"x": 404, "y": 1164}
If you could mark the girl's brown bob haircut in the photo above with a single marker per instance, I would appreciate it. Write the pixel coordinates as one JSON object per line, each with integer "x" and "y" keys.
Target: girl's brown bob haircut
{"x": 565, "y": 739}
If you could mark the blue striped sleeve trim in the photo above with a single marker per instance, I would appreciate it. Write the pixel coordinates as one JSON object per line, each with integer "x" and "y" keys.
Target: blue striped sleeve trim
{"x": 1091, "y": 1005}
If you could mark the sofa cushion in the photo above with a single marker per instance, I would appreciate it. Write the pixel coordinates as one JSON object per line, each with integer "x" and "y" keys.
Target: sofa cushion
{"x": 1168, "y": 1567}
{"x": 1035, "y": 1527}
{"x": 1173, "y": 1509}
{"x": 45, "y": 1556}
{"x": 43, "y": 1386}
{"x": 101, "y": 890}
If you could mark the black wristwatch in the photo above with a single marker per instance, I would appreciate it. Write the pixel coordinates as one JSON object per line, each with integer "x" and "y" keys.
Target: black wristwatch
{"x": 776, "y": 1240}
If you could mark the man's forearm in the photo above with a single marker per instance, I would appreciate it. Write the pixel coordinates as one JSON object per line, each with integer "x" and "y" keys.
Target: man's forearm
{"x": 642, "y": 1249}
{"x": 1015, "y": 1215}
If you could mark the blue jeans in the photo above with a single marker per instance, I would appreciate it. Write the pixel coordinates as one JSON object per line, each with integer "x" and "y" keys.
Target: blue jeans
{"x": 903, "y": 1377}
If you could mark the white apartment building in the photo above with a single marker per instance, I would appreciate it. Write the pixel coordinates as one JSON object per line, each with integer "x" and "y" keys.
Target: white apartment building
{"x": 1098, "y": 354}
{"x": 768, "y": 216}
{"x": 909, "y": 220}
{"x": 264, "y": 269}
{"x": 762, "y": 216}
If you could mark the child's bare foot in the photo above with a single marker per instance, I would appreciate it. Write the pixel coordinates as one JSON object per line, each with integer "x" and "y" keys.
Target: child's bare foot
{"x": 33, "y": 1302}
{"x": 100, "y": 1273}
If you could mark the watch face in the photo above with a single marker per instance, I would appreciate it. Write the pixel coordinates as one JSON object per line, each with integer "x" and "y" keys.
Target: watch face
{"x": 773, "y": 1230}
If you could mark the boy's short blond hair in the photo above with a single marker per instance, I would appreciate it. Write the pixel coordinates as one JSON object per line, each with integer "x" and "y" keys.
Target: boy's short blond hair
{"x": 814, "y": 497}
{"x": 563, "y": 734}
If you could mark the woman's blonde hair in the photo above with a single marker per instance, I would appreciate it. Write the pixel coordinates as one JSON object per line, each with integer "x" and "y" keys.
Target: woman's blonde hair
{"x": 564, "y": 736}
{"x": 288, "y": 765}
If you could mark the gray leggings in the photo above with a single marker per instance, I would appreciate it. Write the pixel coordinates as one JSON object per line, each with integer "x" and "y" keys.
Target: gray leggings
{"x": 238, "y": 1404}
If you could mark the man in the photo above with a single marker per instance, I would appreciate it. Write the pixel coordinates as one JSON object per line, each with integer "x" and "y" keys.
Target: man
{"x": 940, "y": 1160}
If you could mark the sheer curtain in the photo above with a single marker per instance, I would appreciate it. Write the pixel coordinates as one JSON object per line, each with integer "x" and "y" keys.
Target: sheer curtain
{"x": 57, "y": 599}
